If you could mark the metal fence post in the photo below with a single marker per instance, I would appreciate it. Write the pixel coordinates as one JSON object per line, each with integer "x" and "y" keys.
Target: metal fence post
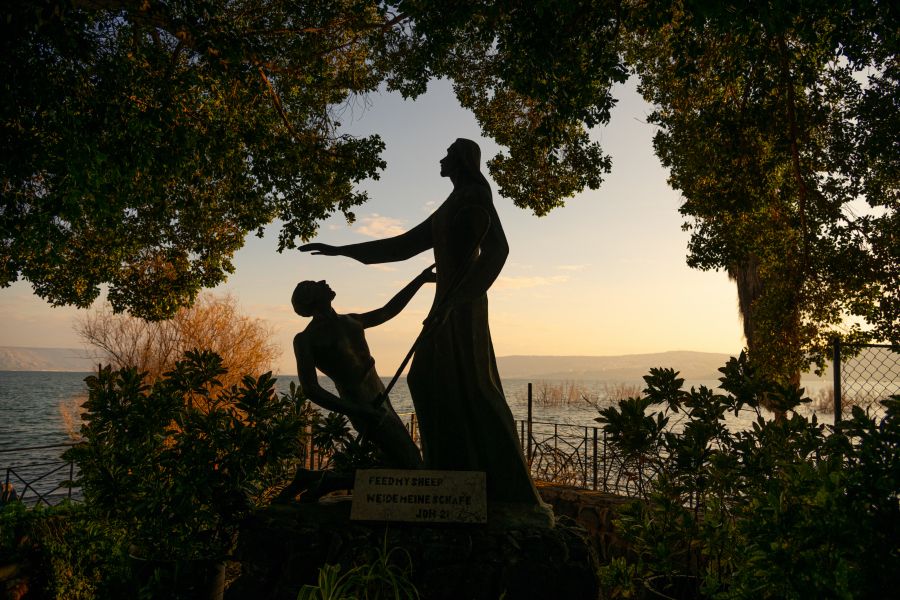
{"x": 529, "y": 422}
{"x": 584, "y": 470}
{"x": 595, "y": 459}
{"x": 71, "y": 477}
{"x": 605, "y": 471}
{"x": 837, "y": 380}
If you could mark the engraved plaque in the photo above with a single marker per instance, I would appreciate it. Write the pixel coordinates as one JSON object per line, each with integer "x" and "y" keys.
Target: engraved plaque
{"x": 419, "y": 496}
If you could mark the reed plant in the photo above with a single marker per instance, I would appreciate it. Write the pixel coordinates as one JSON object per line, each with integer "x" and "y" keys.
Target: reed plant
{"x": 554, "y": 394}
{"x": 823, "y": 401}
{"x": 613, "y": 392}
{"x": 71, "y": 415}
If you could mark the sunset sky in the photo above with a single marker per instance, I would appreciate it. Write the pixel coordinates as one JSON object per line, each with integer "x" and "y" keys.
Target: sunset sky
{"x": 604, "y": 275}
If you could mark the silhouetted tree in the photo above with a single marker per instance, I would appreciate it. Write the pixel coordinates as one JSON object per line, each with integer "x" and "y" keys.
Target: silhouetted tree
{"x": 143, "y": 140}
{"x": 772, "y": 117}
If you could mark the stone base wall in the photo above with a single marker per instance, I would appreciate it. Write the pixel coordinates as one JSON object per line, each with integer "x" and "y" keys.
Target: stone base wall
{"x": 282, "y": 548}
{"x": 593, "y": 511}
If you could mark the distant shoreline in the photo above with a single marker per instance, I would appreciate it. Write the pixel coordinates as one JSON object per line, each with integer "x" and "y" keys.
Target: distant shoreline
{"x": 691, "y": 365}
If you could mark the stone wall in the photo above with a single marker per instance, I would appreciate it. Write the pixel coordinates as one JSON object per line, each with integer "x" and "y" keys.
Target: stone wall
{"x": 593, "y": 511}
{"x": 283, "y": 547}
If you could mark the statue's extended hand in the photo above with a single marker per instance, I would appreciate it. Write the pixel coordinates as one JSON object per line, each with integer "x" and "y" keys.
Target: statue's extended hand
{"x": 428, "y": 275}
{"x": 323, "y": 249}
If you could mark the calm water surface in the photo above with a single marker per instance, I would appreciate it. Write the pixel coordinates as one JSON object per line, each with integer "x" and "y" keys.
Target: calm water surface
{"x": 33, "y": 408}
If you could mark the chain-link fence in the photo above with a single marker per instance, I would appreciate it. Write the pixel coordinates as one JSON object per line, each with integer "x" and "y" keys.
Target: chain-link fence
{"x": 864, "y": 374}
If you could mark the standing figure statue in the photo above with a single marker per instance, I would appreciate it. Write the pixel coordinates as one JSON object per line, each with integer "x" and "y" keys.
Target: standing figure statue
{"x": 464, "y": 420}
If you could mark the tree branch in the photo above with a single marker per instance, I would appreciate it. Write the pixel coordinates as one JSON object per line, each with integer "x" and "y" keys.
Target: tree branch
{"x": 276, "y": 101}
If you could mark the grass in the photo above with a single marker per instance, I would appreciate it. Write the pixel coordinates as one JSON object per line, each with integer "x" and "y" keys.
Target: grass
{"x": 383, "y": 578}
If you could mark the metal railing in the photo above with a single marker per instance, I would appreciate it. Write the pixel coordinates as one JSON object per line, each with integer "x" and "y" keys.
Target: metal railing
{"x": 864, "y": 374}
{"x": 573, "y": 455}
{"x": 42, "y": 482}
{"x": 580, "y": 456}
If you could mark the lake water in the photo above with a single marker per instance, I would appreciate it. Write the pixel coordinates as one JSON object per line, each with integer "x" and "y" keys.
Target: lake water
{"x": 34, "y": 408}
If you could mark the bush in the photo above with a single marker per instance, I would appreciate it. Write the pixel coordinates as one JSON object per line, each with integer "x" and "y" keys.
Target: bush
{"x": 786, "y": 509}
{"x": 65, "y": 553}
{"x": 213, "y": 323}
{"x": 179, "y": 463}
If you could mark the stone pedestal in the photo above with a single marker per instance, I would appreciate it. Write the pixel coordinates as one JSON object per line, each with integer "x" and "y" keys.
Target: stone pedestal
{"x": 282, "y": 548}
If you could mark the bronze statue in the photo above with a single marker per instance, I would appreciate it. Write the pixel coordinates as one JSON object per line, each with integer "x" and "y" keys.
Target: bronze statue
{"x": 464, "y": 420}
{"x": 336, "y": 345}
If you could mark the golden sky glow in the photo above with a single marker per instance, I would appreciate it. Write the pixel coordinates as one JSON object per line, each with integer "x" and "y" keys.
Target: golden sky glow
{"x": 604, "y": 275}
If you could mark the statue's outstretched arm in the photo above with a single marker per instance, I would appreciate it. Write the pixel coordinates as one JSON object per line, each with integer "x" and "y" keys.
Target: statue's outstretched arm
{"x": 397, "y": 303}
{"x": 393, "y": 249}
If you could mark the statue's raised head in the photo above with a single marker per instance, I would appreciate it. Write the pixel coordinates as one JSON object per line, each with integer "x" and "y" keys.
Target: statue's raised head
{"x": 311, "y": 296}
{"x": 463, "y": 162}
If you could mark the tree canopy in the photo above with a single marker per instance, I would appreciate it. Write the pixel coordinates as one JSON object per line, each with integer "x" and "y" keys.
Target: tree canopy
{"x": 143, "y": 140}
{"x": 778, "y": 124}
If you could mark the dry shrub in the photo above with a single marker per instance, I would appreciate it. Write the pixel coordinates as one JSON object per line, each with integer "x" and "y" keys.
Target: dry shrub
{"x": 554, "y": 465}
{"x": 823, "y": 401}
{"x": 214, "y": 323}
{"x": 71, "y": 415}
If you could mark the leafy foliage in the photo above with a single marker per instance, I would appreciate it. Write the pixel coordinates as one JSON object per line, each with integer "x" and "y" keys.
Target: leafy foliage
{"x": 769, "y": 115}
{"x": 179, "y": 463}
{"x": 14, "y": 517}
{"x": 785, "y": 509}
{"x": 345, "y": 451}
{"x": 65, "y": 553}
{"x": 142, "y": 141}
{"x": 382, "y": 578}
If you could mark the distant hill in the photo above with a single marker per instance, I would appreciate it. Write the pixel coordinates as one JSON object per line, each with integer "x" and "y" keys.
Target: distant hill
{"x": 629, "y": 367}
{"x": 16, "y": 358}
{"x": 691, "y": 365}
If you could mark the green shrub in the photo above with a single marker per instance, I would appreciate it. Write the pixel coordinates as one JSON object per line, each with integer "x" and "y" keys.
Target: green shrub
{"x": 180, "y": 463}
{"x": 786, "y": 509}
{"x": 343, "y": 450}
{"x": 65, "y": 553}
